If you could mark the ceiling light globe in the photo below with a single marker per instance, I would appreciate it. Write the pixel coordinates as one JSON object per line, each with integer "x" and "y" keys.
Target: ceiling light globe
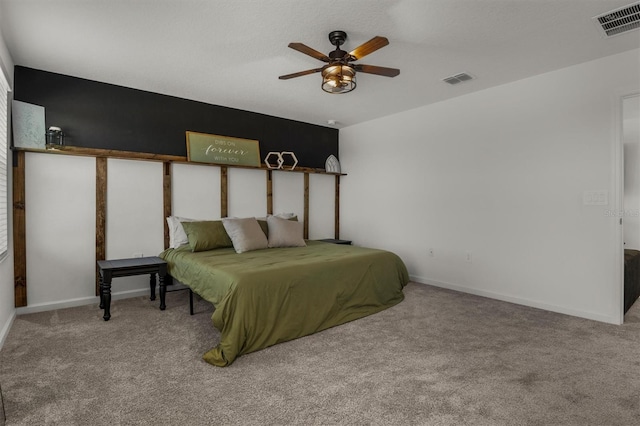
{"x": 338, "y": 79}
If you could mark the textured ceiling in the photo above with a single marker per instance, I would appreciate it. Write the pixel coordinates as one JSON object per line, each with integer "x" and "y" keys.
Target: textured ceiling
{"x": 231, "y": 53}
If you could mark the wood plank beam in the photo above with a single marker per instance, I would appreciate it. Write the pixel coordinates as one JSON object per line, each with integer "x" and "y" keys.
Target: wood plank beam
{"x": 166, "y": 200}
{"x": 224, "y": 188}
{"x": 269, "y": 192}
{"x": 146, "y": 156}
{"x": 19, "y": 231}
{"x": 107, "y": 153}
{"x": 101, "y": 215}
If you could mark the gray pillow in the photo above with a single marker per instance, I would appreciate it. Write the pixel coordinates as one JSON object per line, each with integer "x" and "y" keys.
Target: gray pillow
{"x": 245, "y": 234}
{"x": 285, "y": 233}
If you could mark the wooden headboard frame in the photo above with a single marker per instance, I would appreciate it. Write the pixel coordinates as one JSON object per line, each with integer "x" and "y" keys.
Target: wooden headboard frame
{"x": 101, "y": 156}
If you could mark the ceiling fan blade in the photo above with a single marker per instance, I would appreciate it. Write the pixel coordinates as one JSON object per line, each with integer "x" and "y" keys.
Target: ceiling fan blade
{"x": 369, "y": 47}
{"x": 372, "y": 69}
{"x": 303, "y": 48}
{"x": 299, "y": 74}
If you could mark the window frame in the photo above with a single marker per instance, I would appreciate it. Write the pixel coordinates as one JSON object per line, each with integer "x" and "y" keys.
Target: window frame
{"x": 5, "y": 89}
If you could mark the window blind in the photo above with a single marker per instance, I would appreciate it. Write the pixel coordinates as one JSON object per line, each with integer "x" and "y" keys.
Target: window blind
{"x": 4, "y": 167}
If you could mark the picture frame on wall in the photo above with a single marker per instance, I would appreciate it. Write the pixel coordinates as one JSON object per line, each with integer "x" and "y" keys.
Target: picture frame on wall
{"x": 217, "y": 149}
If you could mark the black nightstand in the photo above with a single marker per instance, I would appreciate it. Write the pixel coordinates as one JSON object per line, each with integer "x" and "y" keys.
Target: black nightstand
{"x": 109, "y": 269}
{"x": 334, "y": 241}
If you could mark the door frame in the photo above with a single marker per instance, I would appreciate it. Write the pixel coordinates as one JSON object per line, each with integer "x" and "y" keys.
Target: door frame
{"x": 618, "y": 179}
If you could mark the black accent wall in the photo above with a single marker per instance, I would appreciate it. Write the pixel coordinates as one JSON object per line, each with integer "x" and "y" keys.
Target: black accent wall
{"x": 100, "y": 115}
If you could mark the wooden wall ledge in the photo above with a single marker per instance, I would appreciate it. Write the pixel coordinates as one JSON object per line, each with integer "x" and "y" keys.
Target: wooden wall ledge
{"x": 130, "y": 155}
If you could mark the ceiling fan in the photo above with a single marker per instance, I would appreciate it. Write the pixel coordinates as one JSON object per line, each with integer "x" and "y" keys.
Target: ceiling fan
{"x": 339, "y": 75}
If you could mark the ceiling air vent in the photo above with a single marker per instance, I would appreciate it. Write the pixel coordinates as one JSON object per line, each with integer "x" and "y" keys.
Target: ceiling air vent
{"x": 458, "y": 78}
{"x": 618, "y": 21}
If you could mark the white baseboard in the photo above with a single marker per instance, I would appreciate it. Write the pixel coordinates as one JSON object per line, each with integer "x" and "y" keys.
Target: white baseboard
{"x": 5, "y": 329}
{"x": 50, "y": 306}
{"x": 518, "y": 300}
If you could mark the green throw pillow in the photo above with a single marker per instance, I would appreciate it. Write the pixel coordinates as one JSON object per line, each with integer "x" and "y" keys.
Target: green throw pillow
{"x": 206, "y": 235}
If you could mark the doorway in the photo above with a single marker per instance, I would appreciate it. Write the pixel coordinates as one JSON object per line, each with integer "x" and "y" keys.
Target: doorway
{"x": 631, "y": 199}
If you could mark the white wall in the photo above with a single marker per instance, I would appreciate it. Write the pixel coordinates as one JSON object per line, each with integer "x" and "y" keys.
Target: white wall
{"x": 499, "y": 174}
{"x": 134, "y": 215}
{"x": 246, "y": 193}
{"x": 288, "y": 193}
{"x": 60, "y": 199}
{"x": 195, "y": 191}
{"x": 7, "y": 310}
{"x": 321, "y": 206}
{"x": 60, "y": 228}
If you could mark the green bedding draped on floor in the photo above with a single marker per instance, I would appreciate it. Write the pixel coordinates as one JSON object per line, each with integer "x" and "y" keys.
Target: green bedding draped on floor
{"x": 269, "y": 296}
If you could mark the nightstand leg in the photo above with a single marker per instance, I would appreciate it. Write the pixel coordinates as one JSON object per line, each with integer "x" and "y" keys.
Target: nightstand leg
{"x": 101, "y": 298}
{"x": 152, "y": 284}
{"x": 163, "y": 291}
{"x": 106, "y": 298}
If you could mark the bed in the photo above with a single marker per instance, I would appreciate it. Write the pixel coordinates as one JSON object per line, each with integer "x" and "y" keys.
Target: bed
{"x": 631, "y": 277}
{"x": 264, "y": 297}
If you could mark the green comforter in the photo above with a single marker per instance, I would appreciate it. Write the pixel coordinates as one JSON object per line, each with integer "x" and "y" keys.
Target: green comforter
{"x": 269, "y": 296}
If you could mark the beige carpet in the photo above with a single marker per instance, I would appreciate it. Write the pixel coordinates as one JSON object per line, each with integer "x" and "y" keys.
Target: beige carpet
{"x": 437, "y": 358}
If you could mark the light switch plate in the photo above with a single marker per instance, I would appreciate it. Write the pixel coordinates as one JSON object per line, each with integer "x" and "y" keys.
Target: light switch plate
{"x": 595, "y": 198}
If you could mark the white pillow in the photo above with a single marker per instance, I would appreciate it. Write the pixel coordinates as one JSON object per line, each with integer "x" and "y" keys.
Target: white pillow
{"x": 177, "y": 236}
{"x": 285, "y": 233}
{"x": 282, "y": 215}
{"x": 246, "y": 234}
{"x": 285, "y": 215}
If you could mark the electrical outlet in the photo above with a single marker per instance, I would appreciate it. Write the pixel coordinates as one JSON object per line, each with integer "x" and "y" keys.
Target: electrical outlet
{"x": 469, "y": 257}
{"x": 138, "y": 255}
{"x": 431, "y": 253}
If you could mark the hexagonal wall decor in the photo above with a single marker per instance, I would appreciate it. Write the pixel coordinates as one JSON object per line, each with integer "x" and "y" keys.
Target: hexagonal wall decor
{"x": 289, "y": 160}
{"x": 273, "y": 160}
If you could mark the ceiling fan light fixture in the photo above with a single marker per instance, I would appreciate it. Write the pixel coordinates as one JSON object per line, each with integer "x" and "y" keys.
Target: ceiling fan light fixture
{"x": 339, "y": 74}
{"x": 338, "y": 78}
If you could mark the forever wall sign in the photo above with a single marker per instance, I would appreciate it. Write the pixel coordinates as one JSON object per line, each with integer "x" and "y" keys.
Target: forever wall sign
{"x": 216, "y": 149}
